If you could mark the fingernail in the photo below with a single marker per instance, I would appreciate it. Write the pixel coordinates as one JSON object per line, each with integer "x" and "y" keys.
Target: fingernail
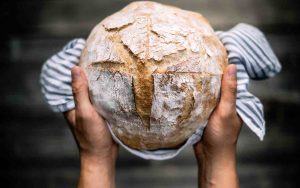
{"x": 76, "y": 73}
{"x": 232, "y": 72}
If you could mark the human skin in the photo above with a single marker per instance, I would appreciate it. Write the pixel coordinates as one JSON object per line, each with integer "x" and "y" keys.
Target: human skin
{"x": 98, "y": 152}
{"x": 215, "y": 153}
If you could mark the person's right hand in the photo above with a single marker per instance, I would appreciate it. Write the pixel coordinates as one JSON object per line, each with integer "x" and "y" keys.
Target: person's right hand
{"x": 224, "y": 124}
{"x": 215, "y": 153}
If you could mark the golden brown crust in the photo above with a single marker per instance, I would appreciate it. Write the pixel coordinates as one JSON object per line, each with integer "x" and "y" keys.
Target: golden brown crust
{"x": 154, "y": 73}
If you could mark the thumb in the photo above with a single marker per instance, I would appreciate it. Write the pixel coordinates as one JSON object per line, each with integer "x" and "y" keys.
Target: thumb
{"x": 80, "y": 90}
{"x": 228, "y": 90}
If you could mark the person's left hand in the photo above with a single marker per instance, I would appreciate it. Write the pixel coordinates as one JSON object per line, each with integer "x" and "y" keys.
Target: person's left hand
{"x": 98, "y": 151}
{"x": 89, "y": 128}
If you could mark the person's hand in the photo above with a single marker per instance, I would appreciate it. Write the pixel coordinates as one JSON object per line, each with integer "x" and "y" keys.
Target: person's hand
{"x": 224, "y": 124}
{"x": 215, "y": 153}
{"x": 98, "y": 151}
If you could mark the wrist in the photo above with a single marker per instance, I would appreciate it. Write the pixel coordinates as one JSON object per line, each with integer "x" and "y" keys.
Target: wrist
{"x": 218, "y": 173}
{"x": 221, "y": 159}
{"x": 108, "y": 154}
{"x": 96, "y": 170}
{"x": 217, "y": 168}
{"x": 205, "y": 152}
{"x": 96, "y": 160}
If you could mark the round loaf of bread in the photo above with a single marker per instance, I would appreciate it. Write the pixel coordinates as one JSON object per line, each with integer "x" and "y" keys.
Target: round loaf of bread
{"x": 154, "y": 73}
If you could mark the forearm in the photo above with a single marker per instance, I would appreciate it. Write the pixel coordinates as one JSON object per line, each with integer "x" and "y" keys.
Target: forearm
{"x": 218, "y": 170}
{"x": 96, "y": 173}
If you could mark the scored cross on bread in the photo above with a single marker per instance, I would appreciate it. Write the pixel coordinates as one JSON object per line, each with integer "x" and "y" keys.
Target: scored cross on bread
{"x": 154, "y": 73}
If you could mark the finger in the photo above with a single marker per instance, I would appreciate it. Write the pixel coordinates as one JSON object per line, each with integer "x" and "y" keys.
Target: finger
{"x": 228, "y": 90}
{"x": 80, "y": 90}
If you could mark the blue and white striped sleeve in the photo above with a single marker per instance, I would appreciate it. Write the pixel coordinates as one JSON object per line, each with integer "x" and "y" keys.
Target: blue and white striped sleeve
{"x": 55, "y": 76}
{"x": 248, "y": 48}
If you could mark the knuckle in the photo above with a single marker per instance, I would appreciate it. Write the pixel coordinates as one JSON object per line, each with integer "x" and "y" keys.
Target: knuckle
{"x": 224, "y": 114}
{"x": 86, "y": 114}
{"x": 80, "y": 116}
{"x": 83, "y": 116}
{"x": 232, "y": 88}
{"x": 76, "y": 87}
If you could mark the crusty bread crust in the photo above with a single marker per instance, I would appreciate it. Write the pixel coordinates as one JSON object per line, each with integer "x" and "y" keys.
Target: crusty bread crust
{"x": 154, "y": 73}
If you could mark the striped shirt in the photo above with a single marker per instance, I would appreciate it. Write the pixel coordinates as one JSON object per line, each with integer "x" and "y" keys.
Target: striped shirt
{"x": 247, "y": 47}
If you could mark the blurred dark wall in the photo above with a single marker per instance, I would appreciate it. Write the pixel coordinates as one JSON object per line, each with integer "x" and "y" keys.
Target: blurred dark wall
{"x": 37, "y": 149}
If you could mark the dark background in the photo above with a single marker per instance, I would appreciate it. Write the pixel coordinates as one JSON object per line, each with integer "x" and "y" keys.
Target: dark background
{"x": 37, "y": 148}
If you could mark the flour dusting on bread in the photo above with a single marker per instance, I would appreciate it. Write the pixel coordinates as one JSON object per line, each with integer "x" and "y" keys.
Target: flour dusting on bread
{"x": 154, "y": 73}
